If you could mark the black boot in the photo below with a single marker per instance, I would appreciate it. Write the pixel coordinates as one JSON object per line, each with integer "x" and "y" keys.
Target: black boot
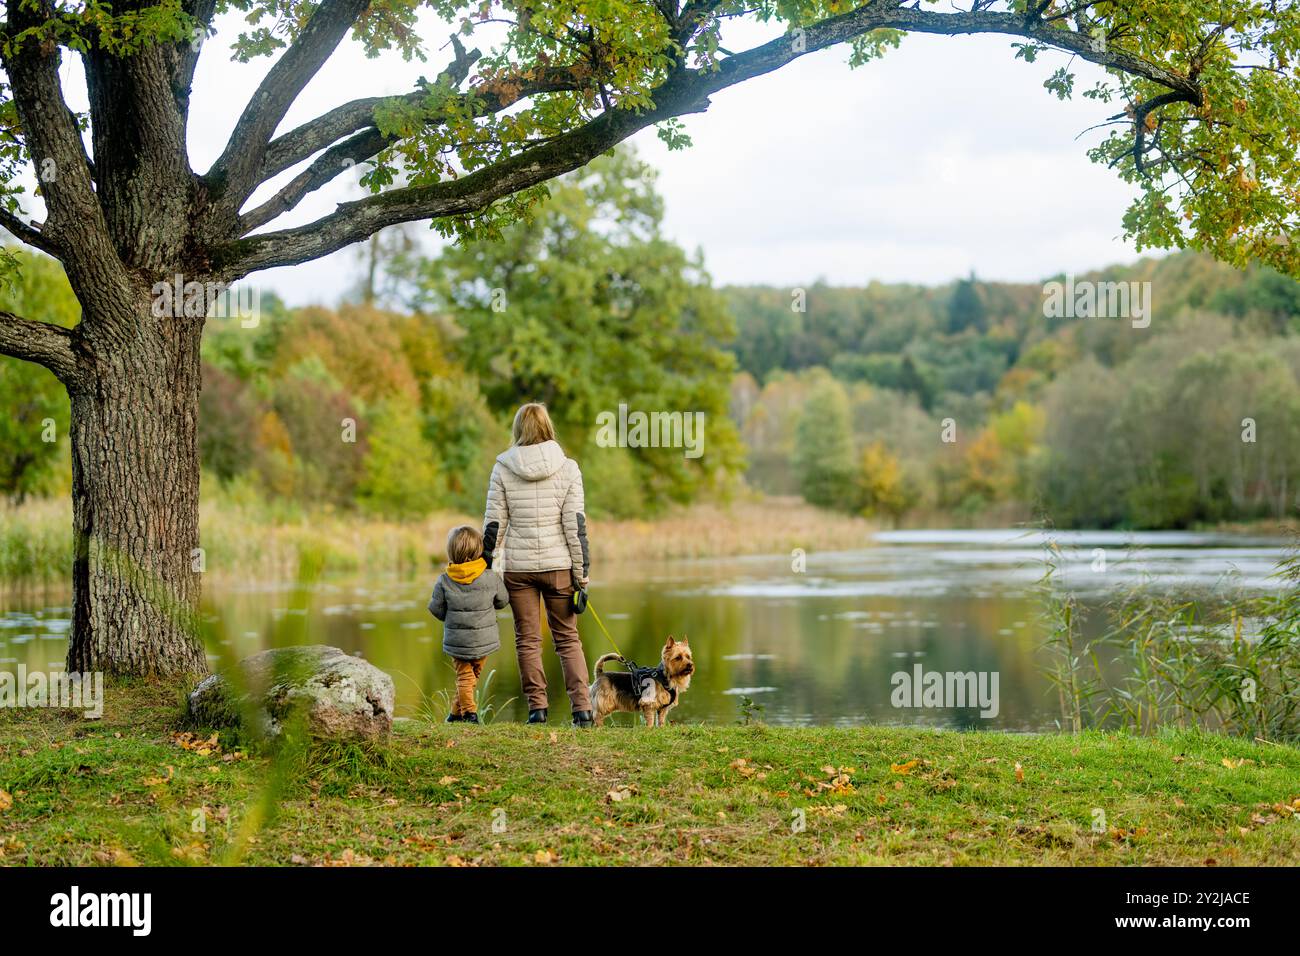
{"x": 537, "y": 716}
{"x": 582, "y": 718}
{"x": 470, "y": 718}
{"x": 453, "y": 719}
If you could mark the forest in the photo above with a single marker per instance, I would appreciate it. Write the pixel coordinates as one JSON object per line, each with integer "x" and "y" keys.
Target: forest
{"x": 897, "y": 402}
{"x": 1085, "y": 422}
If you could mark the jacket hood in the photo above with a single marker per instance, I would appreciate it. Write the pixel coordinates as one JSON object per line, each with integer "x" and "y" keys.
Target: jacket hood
{"x": 533, "y": 462}
{"x": 466, "y": 572}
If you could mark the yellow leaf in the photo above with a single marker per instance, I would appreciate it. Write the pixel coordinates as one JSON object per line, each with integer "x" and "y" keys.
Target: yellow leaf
{"x": 1020, "y": 773}
{"x": 6, "y": 801}
{"x": 904, "y": 767}
{"x": 448, "y": 781}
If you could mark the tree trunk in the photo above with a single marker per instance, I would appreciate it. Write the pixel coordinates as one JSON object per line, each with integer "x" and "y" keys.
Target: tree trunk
{"x": 135, "y": 493}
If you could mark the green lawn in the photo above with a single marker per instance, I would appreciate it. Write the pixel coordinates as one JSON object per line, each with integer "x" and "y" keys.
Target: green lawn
{"x": 125, "y": 790}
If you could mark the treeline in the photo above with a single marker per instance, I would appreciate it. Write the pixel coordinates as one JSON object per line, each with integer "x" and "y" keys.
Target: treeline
{"x": 887, "y": 399}
{"x": 399, "y": 411}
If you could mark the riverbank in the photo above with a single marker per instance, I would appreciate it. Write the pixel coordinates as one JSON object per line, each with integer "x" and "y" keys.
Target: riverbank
{"x": 252, "y": 540}
{"x": 249, "y": 539}
{"x": 139, "y": 787}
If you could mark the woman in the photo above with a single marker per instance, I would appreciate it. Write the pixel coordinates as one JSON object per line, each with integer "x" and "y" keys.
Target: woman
{"x": 535, "y": 521}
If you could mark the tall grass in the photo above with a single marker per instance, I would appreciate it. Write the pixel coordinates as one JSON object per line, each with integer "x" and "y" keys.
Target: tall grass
{"x": 247, "y": 537}
{"x": 434, "y": 709}
{"x": 1229, "y": 664}
{"x": 1061, "y": 619}
{"x": 35, "y": 542}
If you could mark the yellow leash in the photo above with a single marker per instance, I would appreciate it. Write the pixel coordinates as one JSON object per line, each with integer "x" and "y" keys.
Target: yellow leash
{"x": 604, "y": 630}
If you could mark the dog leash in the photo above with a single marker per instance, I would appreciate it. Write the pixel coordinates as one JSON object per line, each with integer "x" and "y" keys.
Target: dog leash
{"x": 638, "y": 673}
{"x": 604, "y": 630}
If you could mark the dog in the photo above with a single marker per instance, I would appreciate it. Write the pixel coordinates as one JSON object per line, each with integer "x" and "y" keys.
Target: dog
{"x": 660, "y": 689}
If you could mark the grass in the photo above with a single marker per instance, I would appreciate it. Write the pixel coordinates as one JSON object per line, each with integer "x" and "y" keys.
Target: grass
{"x": 132, "y": 788}
{"x": 246, "y": 538}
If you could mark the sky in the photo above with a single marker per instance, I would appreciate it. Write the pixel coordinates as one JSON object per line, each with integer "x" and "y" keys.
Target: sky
{"x": 943, "y": 158}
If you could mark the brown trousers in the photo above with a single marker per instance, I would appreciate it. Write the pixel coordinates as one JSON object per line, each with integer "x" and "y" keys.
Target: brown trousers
{"x": 528, "y": 591}
{"x": 467, "y": 673}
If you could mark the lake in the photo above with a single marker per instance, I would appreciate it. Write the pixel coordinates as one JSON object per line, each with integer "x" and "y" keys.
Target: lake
{"x": 817, "y": 641}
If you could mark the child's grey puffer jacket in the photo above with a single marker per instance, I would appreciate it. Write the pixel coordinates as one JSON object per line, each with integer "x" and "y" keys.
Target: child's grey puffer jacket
{"x": 469, "y": 614}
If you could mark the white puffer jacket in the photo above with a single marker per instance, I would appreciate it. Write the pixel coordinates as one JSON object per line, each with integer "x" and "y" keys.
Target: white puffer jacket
{"x": 535, "y": 500}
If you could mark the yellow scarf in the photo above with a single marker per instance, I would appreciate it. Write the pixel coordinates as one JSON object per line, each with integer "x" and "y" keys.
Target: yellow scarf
{"x": 467, "y": 572}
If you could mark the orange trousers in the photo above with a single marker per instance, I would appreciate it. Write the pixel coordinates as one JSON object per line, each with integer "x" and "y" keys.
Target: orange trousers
{"x": 467, "y": 673}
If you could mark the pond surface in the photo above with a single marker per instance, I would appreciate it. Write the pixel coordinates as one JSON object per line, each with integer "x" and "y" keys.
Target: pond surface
{"x": 821, "y": 645}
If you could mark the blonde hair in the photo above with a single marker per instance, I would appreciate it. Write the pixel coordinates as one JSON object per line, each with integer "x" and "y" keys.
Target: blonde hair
{"x": 533, "y": 425}
{"x": 464, "y": 544}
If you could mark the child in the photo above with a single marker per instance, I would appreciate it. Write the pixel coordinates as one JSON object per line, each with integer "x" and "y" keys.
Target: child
{"x": 466, "y": 599}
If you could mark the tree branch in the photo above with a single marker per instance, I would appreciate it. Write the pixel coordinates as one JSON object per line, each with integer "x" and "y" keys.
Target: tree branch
{"x": 685, "y": 91}
{"x": 188, "y": 53}
{"x": 370, "y": 142}
{"x": 234, "y": 176}
{"x": 30, "y": 234}
{"x": 313, "y": 136}
{"x": 39, "y": 342}
{"x": 75, "y": 222}
{"x": 75, "y": 219}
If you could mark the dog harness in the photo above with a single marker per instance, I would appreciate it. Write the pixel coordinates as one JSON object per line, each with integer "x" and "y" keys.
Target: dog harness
{"x": 641, "y": 676}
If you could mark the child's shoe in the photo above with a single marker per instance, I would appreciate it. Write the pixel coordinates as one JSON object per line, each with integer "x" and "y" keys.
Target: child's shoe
{"x": 470, "y": 718}
{"x": 456, "y": 718}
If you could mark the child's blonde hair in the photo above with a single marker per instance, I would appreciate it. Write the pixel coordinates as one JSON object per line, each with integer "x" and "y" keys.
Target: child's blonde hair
{"x": 533, "y": 425}
{"x": 464, "y": 544}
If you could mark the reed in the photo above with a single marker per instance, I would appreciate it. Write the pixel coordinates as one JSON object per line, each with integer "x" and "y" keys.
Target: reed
{"x": 248, "y": 538}
{"x": 1227, "y": 662}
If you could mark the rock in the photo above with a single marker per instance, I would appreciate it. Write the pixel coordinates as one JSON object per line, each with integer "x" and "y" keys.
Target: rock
{"x": 341, "y": 696}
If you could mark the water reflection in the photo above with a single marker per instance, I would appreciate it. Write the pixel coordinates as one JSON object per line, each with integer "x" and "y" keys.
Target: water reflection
{"x": 817, "y": 647}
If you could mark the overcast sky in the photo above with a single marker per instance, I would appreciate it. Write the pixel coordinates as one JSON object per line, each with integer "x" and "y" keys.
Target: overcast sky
{"x": 943, "y": 157}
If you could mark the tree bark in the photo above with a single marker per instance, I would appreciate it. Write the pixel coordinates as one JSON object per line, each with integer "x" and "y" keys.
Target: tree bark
{"x": 135, "y": 492}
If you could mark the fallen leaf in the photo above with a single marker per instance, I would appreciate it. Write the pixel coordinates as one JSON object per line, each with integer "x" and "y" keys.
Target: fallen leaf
{"x": 1020, "y": 773}
{"x": 904, "y": 767}
{"x": 6, "y": 801}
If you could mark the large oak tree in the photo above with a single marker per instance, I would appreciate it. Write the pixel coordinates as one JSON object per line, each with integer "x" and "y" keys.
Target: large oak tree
{"x": 1203, "y": 120}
